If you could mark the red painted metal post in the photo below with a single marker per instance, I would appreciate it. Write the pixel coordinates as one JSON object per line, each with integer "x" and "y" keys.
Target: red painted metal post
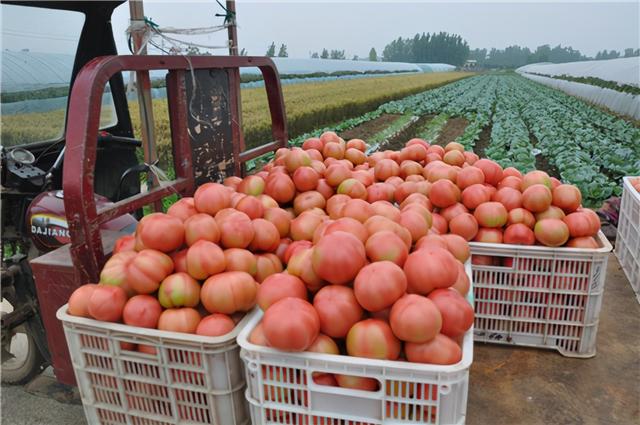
{"x": 84, "y": 113}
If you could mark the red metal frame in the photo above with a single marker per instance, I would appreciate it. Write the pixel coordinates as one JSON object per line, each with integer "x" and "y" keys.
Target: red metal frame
{"x": 82, "y": 131}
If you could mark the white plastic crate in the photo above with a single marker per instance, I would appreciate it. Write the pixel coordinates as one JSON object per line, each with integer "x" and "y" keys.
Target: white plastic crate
{"x": 190, "y": 379}
{"x": 280, "y": 388}
{"x": 539, "y": 296}
{"x": 628, "y": 237}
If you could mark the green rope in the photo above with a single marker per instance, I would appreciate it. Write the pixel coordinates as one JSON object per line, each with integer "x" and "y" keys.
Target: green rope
{"x": 229, "y": 17}
{"x": 150, "y": 22}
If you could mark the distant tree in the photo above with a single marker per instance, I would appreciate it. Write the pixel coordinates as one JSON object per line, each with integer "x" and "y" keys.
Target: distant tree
{"x": 628, "y": 53}
{"x": 194, "y": 51}
{"x": 315, "y": 55}
{"x": 373, "y": 56}
{"x": 607, "y": 55}
{"x": 325, "y": 54}
{"x": 244, "y": 52}
{"x": 356, "y": 58}
{"x": 282, "y": 53}
{"x": 271, "y": 51}
{"x": 440, "y": 47}
{"x": 337, "y": 54}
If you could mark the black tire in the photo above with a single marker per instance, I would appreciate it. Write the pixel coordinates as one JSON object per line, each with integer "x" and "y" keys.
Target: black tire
{"x": 32, "y": 365}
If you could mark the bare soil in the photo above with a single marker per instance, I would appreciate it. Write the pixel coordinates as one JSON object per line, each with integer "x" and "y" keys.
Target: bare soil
{"x": 483, "y": 142}
{"x": 542, "y": 163}
{"x": 370, "y": 128}
{"x": 398, "y": 142}
{"x": 452, "y": 130}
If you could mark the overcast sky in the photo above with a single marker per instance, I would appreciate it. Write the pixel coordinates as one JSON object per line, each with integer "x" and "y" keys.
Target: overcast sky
{"x": 307, "y": 26}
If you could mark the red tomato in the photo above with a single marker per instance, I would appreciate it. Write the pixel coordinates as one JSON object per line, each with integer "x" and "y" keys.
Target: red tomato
{"x": 444, "y": 193}
{"x": 204, "y": 259}
{"x": 142, "y": 311}
{"x": 291, "y": 324}
{"x": 79, "y": 300}
{"x": 324, "y": 344}
{"x": 462, "y": 284}
{"x": 457, "y": 313}
{"x": 229, "y": 292}
{"x": 373, "y": 338}
{"x": 567, "y": 197}
{"x": 491, "y": 214}
{"x": 386, "y": 245}
{"x": 280, "y": 218}
{"x": 338, "y": 257}
{"x": 469, "y": 176}
{"x": 161, "y": 232}
{"x": 509, "y": 197}
{"x": 106, "y": 303}
{"x": 179, "y": 290}
{"x": 536, "y": 177}
{"x": 266, "y": 236}
{"x": 251, "y": 206}
{"x": 115, "y": 273}
{"x": 464, "y": 225}
{"x": 240, "y": 260}
{"x": 430, "y": 268}
{"x": 266, "y": 265}
{"x": 474, "y": 195}
{"x": 183, "y": 208}
{"x": 338, "y": 310}
{"x": 536, "y": 198}
{"x": 251, "y": 185}
{"x": 201, "y": 227}
{"x": 211, "y": 198}
{"x": 215, "y": 325}
{"x": 257, "y": 336}
{"x": 379, "y": 285}
{"x": 184, "y": 320}
{"x": 492, "y": 171}
{"x": 279, "y": 286}
{"x": 280, "y": 187}
{"x": 519, "y": 234}
{"x": 551, "y": 232}
{"x": 440, "y": 350}
{"x": 582, "y": 224}
{"x": 415, "y": 318}
{"x": 147, "y": 270}
{"x": 458, "y": 246}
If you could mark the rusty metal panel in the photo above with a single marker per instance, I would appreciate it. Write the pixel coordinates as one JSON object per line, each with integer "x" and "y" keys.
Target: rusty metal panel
{"x": 209, "y": 124}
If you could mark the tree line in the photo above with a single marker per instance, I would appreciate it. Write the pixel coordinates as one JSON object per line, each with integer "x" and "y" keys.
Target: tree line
{"x": 516, "y": 56}
{"x": 448, "y": 48}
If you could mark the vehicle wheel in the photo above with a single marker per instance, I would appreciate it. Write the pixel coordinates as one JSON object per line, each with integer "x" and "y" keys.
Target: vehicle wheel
{"x": 22, "y": 359}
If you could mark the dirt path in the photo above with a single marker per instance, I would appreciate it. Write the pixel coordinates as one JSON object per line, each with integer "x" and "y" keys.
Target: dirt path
{"x": 483, "y": 142}
{"x": 452, "y": 130}
{"x": 370, "y": 128}
{"x": 541, "y": 161}
{"x": 409, "y": 133}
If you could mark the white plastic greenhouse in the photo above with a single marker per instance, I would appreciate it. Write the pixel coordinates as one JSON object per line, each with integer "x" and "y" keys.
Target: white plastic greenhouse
{"x": 436, "y": 67}
{"x": 624, "y": 71}
{"x": 621, "y": 71}
{"x": 310, "y": 66}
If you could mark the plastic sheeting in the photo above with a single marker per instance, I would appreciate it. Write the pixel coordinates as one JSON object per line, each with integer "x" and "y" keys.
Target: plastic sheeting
{"x": 309, "y": 66}
{"x": 26, "y": 70}
{"x": 436, "y": 67}
{"x": 621, "y": 71}
{"x": 622, "y": 103}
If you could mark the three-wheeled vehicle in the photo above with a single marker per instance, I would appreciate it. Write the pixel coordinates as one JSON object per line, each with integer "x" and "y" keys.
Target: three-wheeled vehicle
{"x": 66, "y": 200}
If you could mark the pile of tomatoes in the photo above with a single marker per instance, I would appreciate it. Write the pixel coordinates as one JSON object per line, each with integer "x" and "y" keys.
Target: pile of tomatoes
{"x": 345, "y": 252}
